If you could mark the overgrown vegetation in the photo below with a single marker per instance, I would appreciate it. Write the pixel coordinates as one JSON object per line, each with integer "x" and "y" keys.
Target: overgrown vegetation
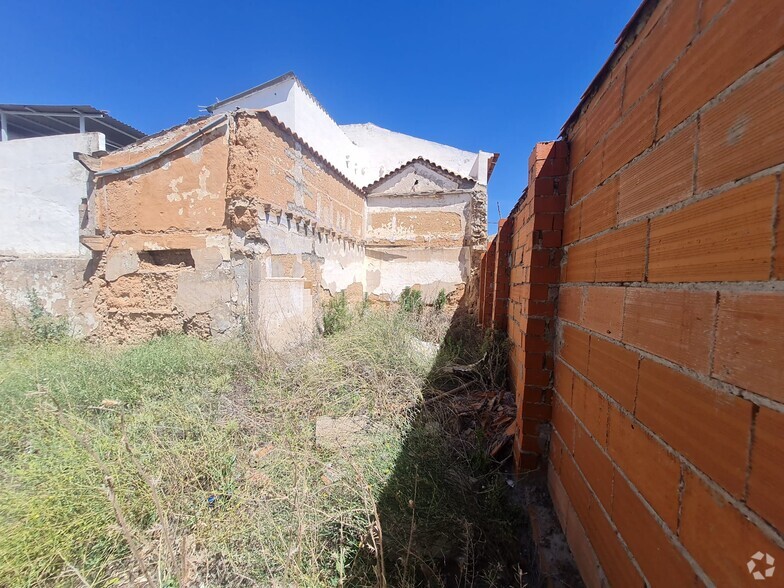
{"x": 440, "y": 301}
{"x": 181, "y": 462}
{"x": 42, "y": 325}
{"x": 337, "y": 316}
{"x": 411, "y": 300}
{"x": 32, "y": 324}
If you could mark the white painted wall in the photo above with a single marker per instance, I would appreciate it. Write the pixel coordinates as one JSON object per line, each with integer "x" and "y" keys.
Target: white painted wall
{"x": 278, "y": 100}
{"x": 297, "y": 109}
{"x": 322, "y": 133}
{"x": 41, "y": 188}
{"x": 386, "y": 150}
{"x": 391, "y": 269}
{"x": 363, "y": 152}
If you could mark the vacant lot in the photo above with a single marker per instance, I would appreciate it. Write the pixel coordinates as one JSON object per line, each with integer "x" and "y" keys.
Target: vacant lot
{"x": 182, "y": 462}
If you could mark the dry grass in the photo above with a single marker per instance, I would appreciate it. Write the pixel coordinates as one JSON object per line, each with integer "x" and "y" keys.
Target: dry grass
{"x": 181, "y": 462}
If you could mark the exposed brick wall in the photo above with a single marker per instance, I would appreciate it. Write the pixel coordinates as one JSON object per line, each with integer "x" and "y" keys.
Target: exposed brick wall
{"x": 667, "y": 396}
{"x": 494, "y": 277}
{"x": 535, "y": 267}
{"x": 503, "y": 243}
{"x": 487, "y": 285}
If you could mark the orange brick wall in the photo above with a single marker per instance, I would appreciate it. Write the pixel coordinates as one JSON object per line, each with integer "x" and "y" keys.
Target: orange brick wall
{"x": 487, "y": 269}
{"x": 535, "y": 258}
{"x": 503, "y": 244}
{"x": 493, "y": 300}
{"x": 666, "y": 434}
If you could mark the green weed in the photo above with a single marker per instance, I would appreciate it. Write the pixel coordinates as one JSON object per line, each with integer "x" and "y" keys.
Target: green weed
{"x": 337, "y": 315}
{"x": 440, "y": 301}
{"x": 41, "y": 324}
{"x": 411, "y": 300}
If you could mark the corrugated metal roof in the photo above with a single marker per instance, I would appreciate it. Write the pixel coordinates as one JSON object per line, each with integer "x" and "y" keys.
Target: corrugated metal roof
{"x": 39, "y": 120}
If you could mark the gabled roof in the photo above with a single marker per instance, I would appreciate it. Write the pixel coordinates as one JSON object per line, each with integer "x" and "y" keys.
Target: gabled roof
{"x": 364, "y": 152}
{"x": 289, "y": 75}
{"x": 386, "y": 150}
{"x": 281, "y": 125}
{"x": 422, "y": 160}
{"x": 206, "y": 123}
{"x": 286, "y": 76}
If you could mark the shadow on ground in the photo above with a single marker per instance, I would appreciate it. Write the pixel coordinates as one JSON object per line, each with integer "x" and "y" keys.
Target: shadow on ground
{"x": 450, "y": 514}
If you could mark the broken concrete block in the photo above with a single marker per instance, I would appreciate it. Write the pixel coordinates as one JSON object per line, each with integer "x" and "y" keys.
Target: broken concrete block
{"x": 207, "y": 259}
{"x": 121, "y": 264}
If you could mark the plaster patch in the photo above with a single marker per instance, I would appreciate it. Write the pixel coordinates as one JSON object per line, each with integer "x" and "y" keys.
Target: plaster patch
{"x": 174, "y": 195}
{"x": 202, "y": 292}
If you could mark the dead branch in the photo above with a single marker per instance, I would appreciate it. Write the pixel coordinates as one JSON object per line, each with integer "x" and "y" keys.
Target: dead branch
{"x": 451, "y": 392}
{"x": 156, "y": 498}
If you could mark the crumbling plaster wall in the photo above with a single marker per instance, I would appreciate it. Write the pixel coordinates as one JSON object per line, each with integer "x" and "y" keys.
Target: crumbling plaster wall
{"x": 183, "y": 192}
{"x": 243, "y": 227}
{"x": 287, "y": 199}
{"x": 271, "y": 166}
{"x": 59, "y": 285}
{"x": 422, "y": 230}
{"x": 294, "y": 106}
{"x": 159, "y": 233}
{"x": 232, "y": 221}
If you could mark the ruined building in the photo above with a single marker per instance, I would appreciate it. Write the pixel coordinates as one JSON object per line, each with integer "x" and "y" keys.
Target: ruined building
{"x": 252, "y": 216}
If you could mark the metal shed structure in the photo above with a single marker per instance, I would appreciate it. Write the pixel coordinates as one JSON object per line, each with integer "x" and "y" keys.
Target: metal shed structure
{"x": 22, "y": 121}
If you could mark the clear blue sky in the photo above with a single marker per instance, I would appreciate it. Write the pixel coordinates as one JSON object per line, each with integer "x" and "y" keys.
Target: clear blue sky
{"x": 490, "y": 74}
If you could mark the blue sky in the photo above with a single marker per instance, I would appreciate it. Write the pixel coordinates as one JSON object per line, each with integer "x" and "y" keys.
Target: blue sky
{"x": 493, "y": 75}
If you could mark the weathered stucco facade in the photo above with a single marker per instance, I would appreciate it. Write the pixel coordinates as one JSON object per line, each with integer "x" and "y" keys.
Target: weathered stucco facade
{"x": 235, "y": 222}
{"x": 423, "y": 222}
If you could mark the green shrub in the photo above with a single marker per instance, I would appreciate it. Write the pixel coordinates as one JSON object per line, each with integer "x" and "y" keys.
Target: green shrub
{"x": 337, "y": 316}
{"x": 440, "y": 301}
{"x": 411, "y": 300}
{"x": 43, "y": 326}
